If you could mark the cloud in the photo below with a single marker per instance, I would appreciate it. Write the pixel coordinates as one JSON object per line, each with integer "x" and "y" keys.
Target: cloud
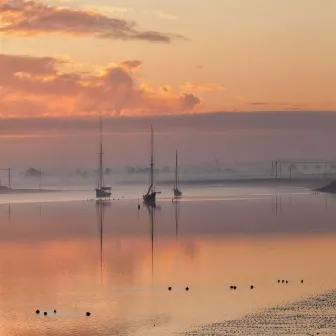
{"x": 165, "y": 16}
{"x": 31, "y": 18}
{"x": 39, "y": 86}
{"x": 194, "y": 87}
{"x": 108, "y": 10}
{"x": 189, "y": 101}
{"x": 130, "y": 65}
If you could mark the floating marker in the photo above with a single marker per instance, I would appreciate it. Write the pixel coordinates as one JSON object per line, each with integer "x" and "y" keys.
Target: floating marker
{"x": 169, "y": 288}
{"x": 37, "y": 312}
{"x": 301, "y": 281}
{"x": 88, "y": 313}
{"x": 187, "y": 288}
{"x": 55, "y": 311}
{"x": 234, "y": 287}
{"x": 45, "y": 313}
{"x": 251, "y": 287}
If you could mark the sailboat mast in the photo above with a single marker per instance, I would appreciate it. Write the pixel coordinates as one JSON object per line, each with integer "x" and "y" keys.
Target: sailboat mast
{"x": 100, "y": 181}
{"x": 152, "y": 159}
{"x": 176, "y": 183}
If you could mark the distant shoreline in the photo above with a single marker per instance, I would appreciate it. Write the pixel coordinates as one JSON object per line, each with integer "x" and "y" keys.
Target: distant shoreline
{"x": 6, "y": 190}
{"x": 307, "y": 182}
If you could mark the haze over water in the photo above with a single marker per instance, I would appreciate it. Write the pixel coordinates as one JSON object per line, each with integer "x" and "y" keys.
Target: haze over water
{"x": 117, "y": 263}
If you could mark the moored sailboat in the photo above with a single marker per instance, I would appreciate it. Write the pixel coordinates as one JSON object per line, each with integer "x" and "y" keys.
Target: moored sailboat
{"x": 101, "y": 190}
{"x": 177, "y": 192}
{"x": 150, "y": 196}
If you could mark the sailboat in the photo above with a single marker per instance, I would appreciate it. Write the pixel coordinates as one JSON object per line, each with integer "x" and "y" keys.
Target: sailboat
{"x": 101, "y": 191}
{"x": 177, "y": 192}
{"x": 150, "y": 196}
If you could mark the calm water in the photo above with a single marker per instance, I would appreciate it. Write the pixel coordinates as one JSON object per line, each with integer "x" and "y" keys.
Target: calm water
{"x": 118, "y": 262}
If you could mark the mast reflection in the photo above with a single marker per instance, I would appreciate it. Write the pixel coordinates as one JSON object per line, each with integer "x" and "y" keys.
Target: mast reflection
{"x": 101, "y": 206}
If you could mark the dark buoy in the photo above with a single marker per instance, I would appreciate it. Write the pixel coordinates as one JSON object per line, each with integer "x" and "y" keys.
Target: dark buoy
{"x": 251, "y": 287}
{"x": 283, "y": 281}
{"x": 301, "y": 281}
{"x": 231, "y": 287}
{"x": 187, "y": 288}
{"x": 169, "y": 288}
{"x": 55, "y": 311}
{"x": 138, "y": 206}
{"x": 286, "y": 281}
{"x": 279, "y": 281}
{"x": 37, "y": 312}
{"x": 234, "y": 287}
{"x": 88, "y": 313}
{"x": 45, "y": 313}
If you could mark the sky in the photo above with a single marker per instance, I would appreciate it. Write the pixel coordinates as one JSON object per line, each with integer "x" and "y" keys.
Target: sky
{"x": 71, "y": 59}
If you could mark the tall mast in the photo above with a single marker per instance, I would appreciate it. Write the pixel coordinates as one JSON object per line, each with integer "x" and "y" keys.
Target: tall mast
{"x": 100, "y": 180}
{"x": 152, "y": 159}
{"x": 176, "y": 182}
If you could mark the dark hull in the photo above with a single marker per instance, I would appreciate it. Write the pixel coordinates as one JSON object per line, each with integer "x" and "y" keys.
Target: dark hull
{"x": 177, "y": 193}
{"x": 149, "y": 198}
{"x": 103, "y": 193}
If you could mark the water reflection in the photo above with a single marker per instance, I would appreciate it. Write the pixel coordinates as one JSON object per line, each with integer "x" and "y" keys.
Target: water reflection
{"x": 177, "y": 217}
{"x": 100, "y": 212}
{"x": 99, "y": 257}
{"x": 151, "y": 212}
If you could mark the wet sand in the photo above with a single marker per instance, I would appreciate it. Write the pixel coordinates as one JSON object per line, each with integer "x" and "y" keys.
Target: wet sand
{"x": 309, "y": 317}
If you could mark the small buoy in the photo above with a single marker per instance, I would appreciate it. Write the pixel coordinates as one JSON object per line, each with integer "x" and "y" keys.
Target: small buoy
{"x": 301, "y": 281}
{"x": 55, "y": 311}
{"x": 283, "y": 281}
{"x": 37, "y": 312}
{"x": 187, "y": 288}
{"x": 169, "y": 288}
{"x": 251, "y": 287}
{"x": 138, "y": 206}
{"x": 231, "y": 287}
{"x": 88, "y": 313}
{"x": 234, "y": 287}
{"x": 286, "y": 281}
{"x": 45, "y": 313}
{"x": 279, "y": 281}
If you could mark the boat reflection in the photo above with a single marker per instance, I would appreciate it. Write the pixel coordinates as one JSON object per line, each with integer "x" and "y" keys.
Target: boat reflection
{"x": 101, "y": 206}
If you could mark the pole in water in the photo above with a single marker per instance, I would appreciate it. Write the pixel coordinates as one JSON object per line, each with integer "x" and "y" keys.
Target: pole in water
{"x": 138, "y": 204}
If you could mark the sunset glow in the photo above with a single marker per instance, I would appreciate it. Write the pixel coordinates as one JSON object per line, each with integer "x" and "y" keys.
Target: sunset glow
{"x": 66, "y": 58}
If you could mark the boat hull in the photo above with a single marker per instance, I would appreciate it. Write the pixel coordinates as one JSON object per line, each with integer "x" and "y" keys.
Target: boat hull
{"x": 177, "y": 193}
{"x": 103, "y": 193}
{"x": 149, "y": 198}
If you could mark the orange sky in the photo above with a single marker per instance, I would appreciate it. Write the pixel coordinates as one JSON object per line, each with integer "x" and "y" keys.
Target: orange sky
{"x": 76, "y": 57}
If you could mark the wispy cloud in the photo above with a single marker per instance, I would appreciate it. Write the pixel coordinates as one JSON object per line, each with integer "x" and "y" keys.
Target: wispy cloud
{"x": 31, "y": 18}
{"x": 165, "y": 16}
{"x": 108, "y": 10}
{"x": 194, "y": 87}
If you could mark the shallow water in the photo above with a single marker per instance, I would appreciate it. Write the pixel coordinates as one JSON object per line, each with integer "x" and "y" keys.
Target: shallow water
{"x": 118, "y": 262}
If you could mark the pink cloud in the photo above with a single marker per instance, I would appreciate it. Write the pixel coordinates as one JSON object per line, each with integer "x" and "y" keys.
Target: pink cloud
{"x": 35, "y": 86}
{"x": 31, "y": 18}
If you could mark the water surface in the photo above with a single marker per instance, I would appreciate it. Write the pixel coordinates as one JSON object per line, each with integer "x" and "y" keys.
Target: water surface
{"x": 118, "y": 262}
